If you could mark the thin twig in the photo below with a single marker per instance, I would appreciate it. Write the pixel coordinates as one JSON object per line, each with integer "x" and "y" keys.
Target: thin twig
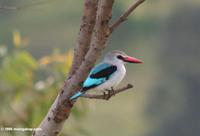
{"x": 107, "y": 96}
{"x": 8, "y": 8}
{"x": 4, "y": 7}
{"x": 124, "y": 16}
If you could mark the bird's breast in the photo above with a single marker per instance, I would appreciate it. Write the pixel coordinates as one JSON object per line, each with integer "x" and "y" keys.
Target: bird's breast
{"x": 115, "y": 79}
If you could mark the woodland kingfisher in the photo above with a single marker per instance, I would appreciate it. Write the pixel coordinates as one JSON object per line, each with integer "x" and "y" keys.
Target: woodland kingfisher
{"x": 107, "y": 74}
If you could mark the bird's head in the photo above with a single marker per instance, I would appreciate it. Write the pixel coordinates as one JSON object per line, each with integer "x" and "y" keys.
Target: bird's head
{"x": 120, "y": 57}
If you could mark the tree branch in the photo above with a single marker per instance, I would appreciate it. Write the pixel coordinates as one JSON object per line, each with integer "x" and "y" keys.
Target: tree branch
{"x": 124, "y": 16}
{"x": 108, "y": 96}
{"x": 85, "y": 34}
{"x": 97, "y": 45}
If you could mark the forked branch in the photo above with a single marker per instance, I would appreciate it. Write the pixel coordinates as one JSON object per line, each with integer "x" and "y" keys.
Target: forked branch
{"x": 93, "y": 36}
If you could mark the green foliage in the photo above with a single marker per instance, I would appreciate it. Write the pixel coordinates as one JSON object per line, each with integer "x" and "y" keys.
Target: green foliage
{"x": 17, "y": 68}
{"x": 29, "y": 86}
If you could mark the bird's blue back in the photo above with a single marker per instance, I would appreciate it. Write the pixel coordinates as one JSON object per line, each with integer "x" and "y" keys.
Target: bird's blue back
{"x": 96, "y": 81}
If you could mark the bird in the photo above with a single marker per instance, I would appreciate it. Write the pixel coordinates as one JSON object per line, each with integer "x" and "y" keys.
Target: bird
{"x": 107, "y": 74}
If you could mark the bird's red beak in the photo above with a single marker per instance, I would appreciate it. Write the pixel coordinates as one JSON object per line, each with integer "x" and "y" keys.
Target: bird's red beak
{"x": 131, "y": 59}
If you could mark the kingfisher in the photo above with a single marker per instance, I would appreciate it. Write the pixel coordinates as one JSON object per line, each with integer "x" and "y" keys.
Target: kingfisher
{"x": 107, "y": 74}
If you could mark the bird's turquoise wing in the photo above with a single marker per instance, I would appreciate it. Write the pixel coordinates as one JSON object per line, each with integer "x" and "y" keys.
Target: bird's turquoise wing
{"x": 98, "y": 75}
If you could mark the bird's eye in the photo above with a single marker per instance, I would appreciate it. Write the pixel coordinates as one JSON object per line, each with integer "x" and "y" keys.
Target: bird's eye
{"x": 120, "y": 57}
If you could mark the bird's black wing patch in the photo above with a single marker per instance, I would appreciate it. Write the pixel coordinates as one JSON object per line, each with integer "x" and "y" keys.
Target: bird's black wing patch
{"x": 105, "y": 73}
{"x": 89, "y": 87}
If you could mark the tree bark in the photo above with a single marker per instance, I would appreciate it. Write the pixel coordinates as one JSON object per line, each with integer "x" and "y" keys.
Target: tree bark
{"x": 85, "y": 34}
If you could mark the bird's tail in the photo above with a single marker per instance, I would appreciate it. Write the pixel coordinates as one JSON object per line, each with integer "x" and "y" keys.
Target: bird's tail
{"x": 76, "y": 95}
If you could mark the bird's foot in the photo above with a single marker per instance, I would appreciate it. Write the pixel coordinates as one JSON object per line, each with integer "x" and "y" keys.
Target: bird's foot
{"x": 110, "y": 92}
{"x": 105, "y": 96}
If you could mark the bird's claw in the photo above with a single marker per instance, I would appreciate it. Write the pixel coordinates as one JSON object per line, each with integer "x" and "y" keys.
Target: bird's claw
{"x": 105, "y": 95}
{"x": 110, "y": 92}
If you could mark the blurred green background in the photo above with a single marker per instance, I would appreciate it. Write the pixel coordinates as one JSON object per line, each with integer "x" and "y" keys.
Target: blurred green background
{"x": 36, "y": 44}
